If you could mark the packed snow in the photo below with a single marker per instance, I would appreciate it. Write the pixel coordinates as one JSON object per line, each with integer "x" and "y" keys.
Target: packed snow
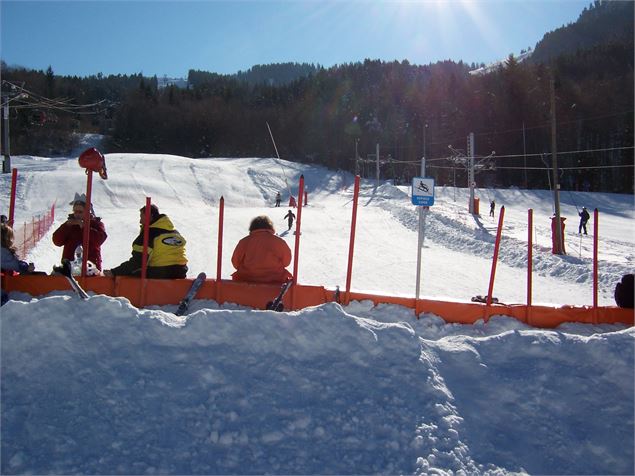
{"x": 101, "y": 387}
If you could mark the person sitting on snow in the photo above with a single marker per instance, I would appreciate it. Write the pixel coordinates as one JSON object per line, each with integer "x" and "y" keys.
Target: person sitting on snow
{"x": 261, "y": 256}
{"x": 166, "y": 250}
{"x": 70, "y": 234}
{"x": 9, "y": 261}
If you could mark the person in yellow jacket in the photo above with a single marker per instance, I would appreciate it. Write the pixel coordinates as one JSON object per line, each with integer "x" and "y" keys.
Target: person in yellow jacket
{"x": 166, "y": 250}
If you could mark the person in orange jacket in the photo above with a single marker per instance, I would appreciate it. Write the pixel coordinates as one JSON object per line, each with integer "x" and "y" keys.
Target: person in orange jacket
{"x": 261, "y": 256}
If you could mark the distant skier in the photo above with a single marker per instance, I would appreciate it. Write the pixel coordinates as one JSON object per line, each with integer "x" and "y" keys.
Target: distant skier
{"x": 290, "y": 216}
{"x": 492, "y": 206}
{"x": 278, "y": 198}
{"x": 584, "y": 218}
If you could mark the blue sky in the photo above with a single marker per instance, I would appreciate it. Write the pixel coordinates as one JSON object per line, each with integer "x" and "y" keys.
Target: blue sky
{"x": 169, "y": 38}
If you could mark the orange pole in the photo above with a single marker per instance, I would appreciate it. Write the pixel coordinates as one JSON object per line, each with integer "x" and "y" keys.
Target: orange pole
{"x": 219, "y": 261}
{"x": 296, "y": 254}
{"x": 351, "y": 244}
{"x": 14, "y": 183}
{"x": 492, "y": 275}
{"x": 530, "y": 253}
{"x": 298, "y": 225}
{"x": 146, "y": 239}
{"x": 86, "y": 240}
{"x": 144, "y": 256}
{"x": 595, "y": 257}
{"x": 219, "y": 255}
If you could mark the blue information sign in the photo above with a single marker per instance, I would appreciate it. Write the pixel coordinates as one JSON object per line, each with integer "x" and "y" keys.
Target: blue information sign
{"x": 423, "y": 191}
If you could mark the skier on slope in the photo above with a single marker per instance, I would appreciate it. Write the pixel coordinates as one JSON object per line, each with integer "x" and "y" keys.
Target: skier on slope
{"x": 278, "y": 199}
{"x": 492, "y": 206}
{"x": 290, "y": 216}
{"x": 584, "y": 218}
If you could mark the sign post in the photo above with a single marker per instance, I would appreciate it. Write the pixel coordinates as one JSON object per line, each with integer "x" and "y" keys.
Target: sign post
{"x": 423, "y": 197}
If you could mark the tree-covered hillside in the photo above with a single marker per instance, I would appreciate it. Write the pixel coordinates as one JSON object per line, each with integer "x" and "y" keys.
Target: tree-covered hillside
{"x": 327, "y": 115}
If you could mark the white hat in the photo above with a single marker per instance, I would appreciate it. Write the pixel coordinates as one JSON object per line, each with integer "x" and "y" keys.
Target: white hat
{"x": 82, "y": 199}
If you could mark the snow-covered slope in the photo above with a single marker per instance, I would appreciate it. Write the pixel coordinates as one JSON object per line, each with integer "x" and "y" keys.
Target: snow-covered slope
{"x": 456, "y": 259}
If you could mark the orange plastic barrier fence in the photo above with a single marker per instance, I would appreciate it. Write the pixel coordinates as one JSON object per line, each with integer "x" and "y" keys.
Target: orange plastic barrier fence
{"x": 28, "y": 234}
{"x": 163, "y": 292}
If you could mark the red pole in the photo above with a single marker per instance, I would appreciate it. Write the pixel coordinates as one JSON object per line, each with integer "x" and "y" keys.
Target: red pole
{"x": 351, "y": 245}
{"x": 298, "y": 224}
{"x": 219, "y": 256}
{"x": 501, "y": 215}
{"x": 530, "y": 252}
{"x": 298, "y": 227}
{"x": 595, "y": 257}
{"x": 14, "y": 182}
{"x": 24, "y": 240}
{"x": 85, "y": 241}
{"x": 146, "y": 239}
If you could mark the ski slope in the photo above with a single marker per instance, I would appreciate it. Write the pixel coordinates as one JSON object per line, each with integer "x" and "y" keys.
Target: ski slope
{"x": 458, "y": 246}
{"x": 101, "y": 387}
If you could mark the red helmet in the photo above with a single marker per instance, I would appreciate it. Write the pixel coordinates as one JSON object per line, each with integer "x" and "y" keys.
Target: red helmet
{"x": 92, "y": 159}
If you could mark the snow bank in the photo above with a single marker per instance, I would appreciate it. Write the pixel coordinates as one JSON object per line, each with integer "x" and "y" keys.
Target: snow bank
{"x": 101, "y": 387}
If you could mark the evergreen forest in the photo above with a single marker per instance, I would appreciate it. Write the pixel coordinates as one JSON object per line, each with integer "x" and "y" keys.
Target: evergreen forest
{"x": 340, "y": 116}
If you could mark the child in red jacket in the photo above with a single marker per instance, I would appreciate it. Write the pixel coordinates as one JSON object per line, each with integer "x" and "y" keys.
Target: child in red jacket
{"x": 70, "y": 234}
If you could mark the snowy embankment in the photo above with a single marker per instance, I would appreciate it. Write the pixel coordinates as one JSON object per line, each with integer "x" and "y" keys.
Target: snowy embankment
{"x": 110, "y": 389}
{"x": 104, "y": 388}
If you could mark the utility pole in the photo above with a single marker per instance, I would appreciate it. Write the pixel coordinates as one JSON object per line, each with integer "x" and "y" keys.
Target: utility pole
{"x": 470, "y": 175}
{"x": 377, "y": 156}
{"x": 525, "y": 156}
{"x": 554, "y": 161}
{"x": 425, "y": 128}
{"x": 6, "y": 163}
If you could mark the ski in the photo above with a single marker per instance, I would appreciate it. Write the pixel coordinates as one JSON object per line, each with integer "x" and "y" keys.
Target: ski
{"x": 65, "y": 270}
{"x": 276, "y": 304}
{"x": 185, "y": 302}
{"x": 483, "y": 299}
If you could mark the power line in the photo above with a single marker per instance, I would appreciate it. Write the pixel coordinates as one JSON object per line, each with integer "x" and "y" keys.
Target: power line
{"x": 548, "y": 168}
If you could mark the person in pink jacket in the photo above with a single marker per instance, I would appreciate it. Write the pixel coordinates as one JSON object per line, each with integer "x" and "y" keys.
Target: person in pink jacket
{"x": 261, "y": 256}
